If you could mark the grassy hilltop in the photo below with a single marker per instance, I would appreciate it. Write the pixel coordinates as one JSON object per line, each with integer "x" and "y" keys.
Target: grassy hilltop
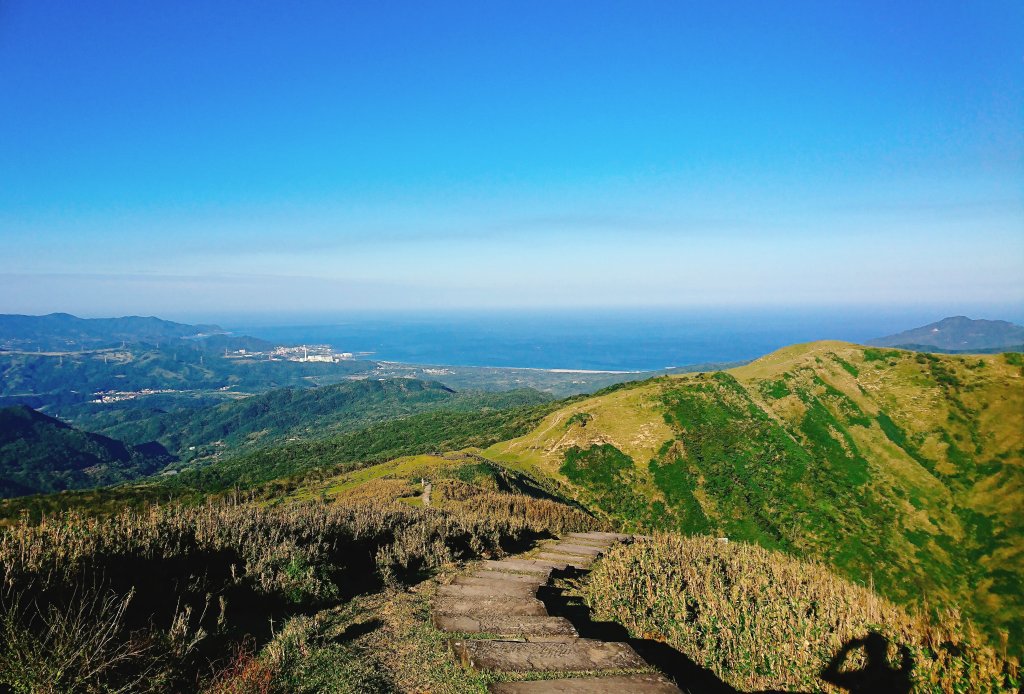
{"x": 899, "y": 469}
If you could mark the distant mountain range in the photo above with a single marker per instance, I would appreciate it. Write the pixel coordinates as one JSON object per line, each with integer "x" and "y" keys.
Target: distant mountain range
{"x": 40, "y": 454}
{"x": 958, "y": 334}
{"x": 62, "y": 331}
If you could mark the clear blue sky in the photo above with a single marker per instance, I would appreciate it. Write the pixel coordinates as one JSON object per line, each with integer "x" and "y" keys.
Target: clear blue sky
{"x": 187, "y": 158}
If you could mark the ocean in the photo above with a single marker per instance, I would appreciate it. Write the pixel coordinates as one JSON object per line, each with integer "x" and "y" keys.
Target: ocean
{"x": 614, "y": 340}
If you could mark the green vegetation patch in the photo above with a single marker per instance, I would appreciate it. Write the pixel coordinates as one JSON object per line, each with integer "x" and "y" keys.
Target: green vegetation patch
{"x": 606, "y": 479}
{"x": 580, "y": 418}
{"x": 678, "y": 484}
{"x": 847, "y": 366}
{"x": 776, "y": 389}
{"x": 601, "y": 466}
{"x": 875, "y": 354}
{"x": 833, "y": 444}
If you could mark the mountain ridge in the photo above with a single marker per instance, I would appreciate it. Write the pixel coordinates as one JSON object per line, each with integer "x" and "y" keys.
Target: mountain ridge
{"x": 958, "y": 334}
{"x": 64, "y": 330}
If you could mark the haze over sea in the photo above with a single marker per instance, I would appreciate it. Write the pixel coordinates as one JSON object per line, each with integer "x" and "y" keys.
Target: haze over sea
{"x": 615, "y": 340}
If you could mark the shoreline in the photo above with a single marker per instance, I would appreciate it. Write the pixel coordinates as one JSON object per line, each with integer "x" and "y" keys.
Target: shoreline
{"x": 525, "y": 368}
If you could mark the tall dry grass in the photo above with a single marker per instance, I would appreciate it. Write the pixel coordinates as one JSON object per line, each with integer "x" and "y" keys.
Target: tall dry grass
{"x": 209, "y": 575}
{"x": 764, "y": 620}
{"x": 537, "y": 515}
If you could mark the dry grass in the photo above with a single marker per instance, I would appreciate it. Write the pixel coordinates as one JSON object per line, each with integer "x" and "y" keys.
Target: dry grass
{"x": 763, "y": 620}
{"x": 76, "y": 646}
{"x": 211, "y": 575}
{"x": 382, "y": 642}
{"x": 539, "y": 515}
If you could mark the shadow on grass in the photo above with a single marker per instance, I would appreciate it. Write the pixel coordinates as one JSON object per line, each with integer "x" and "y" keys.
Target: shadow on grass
{"x": 354, "y": 631}
{"x": 674, "y": 664}
{"x": 876, "y": 677}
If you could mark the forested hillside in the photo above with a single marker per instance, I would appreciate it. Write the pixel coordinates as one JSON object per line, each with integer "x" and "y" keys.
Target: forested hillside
{"x": 284, "y": 414}
{"x": 39, "y": 454}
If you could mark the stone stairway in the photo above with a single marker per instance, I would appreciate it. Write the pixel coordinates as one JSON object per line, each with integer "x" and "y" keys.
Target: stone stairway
{"x": 498, "y": 603}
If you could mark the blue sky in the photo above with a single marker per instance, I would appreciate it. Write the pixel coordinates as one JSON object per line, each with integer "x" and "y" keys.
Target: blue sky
{"x": 191, "y": 158}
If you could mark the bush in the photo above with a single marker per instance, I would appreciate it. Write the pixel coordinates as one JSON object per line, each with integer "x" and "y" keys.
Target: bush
{"x": 80, "y": 645}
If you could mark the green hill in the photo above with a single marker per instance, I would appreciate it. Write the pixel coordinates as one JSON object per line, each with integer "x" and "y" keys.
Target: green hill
{"x": 901, "y": 469}
{"x": 41, "y": 454}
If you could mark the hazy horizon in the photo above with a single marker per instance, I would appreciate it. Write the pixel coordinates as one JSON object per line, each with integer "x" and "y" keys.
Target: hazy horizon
{"x": 636, "y": 339}
{"x": 323, "y": 158}
{"x": 903, "y": 315}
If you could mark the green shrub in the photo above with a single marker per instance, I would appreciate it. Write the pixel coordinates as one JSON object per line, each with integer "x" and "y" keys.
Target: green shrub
{"x": 581, "y": 418}
{"x": 874, "y": 354}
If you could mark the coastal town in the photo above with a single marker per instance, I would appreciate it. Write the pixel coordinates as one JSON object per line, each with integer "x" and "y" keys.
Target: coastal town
{"x": 299, "y": 353}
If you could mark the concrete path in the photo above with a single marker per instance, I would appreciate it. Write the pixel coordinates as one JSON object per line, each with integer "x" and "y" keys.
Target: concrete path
{"x": 503, "y": 627}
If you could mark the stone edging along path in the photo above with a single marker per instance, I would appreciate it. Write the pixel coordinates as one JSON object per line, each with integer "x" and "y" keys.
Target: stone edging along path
{"x": 498, "y": 601}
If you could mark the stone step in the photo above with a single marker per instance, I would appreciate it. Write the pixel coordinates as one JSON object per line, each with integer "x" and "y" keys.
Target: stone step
{"x": 635, "y": 684}
{"x": 551, "y": 555}
{"x": 478, "y": 607}
{"x": 523, "y": 626}
{"x": 570, "y": 548}
{"x": 498, "y": 579}
{"x": 523, "y": 656}
{"x": 600, "y": 544}
{"x": 564, "y": 561}
{"x": 487, "y": 575}
{"x": 494, "y": 589}
{"x": 517, "y": 566}
{"x": 596, "y": 535}
{"x": 558, "y": 562}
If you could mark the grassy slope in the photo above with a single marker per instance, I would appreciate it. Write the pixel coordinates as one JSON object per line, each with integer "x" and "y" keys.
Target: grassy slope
{"x": 898, "y": 468}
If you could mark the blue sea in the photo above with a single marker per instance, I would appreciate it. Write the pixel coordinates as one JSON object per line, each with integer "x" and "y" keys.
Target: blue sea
{"x": 615, "y": 340}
